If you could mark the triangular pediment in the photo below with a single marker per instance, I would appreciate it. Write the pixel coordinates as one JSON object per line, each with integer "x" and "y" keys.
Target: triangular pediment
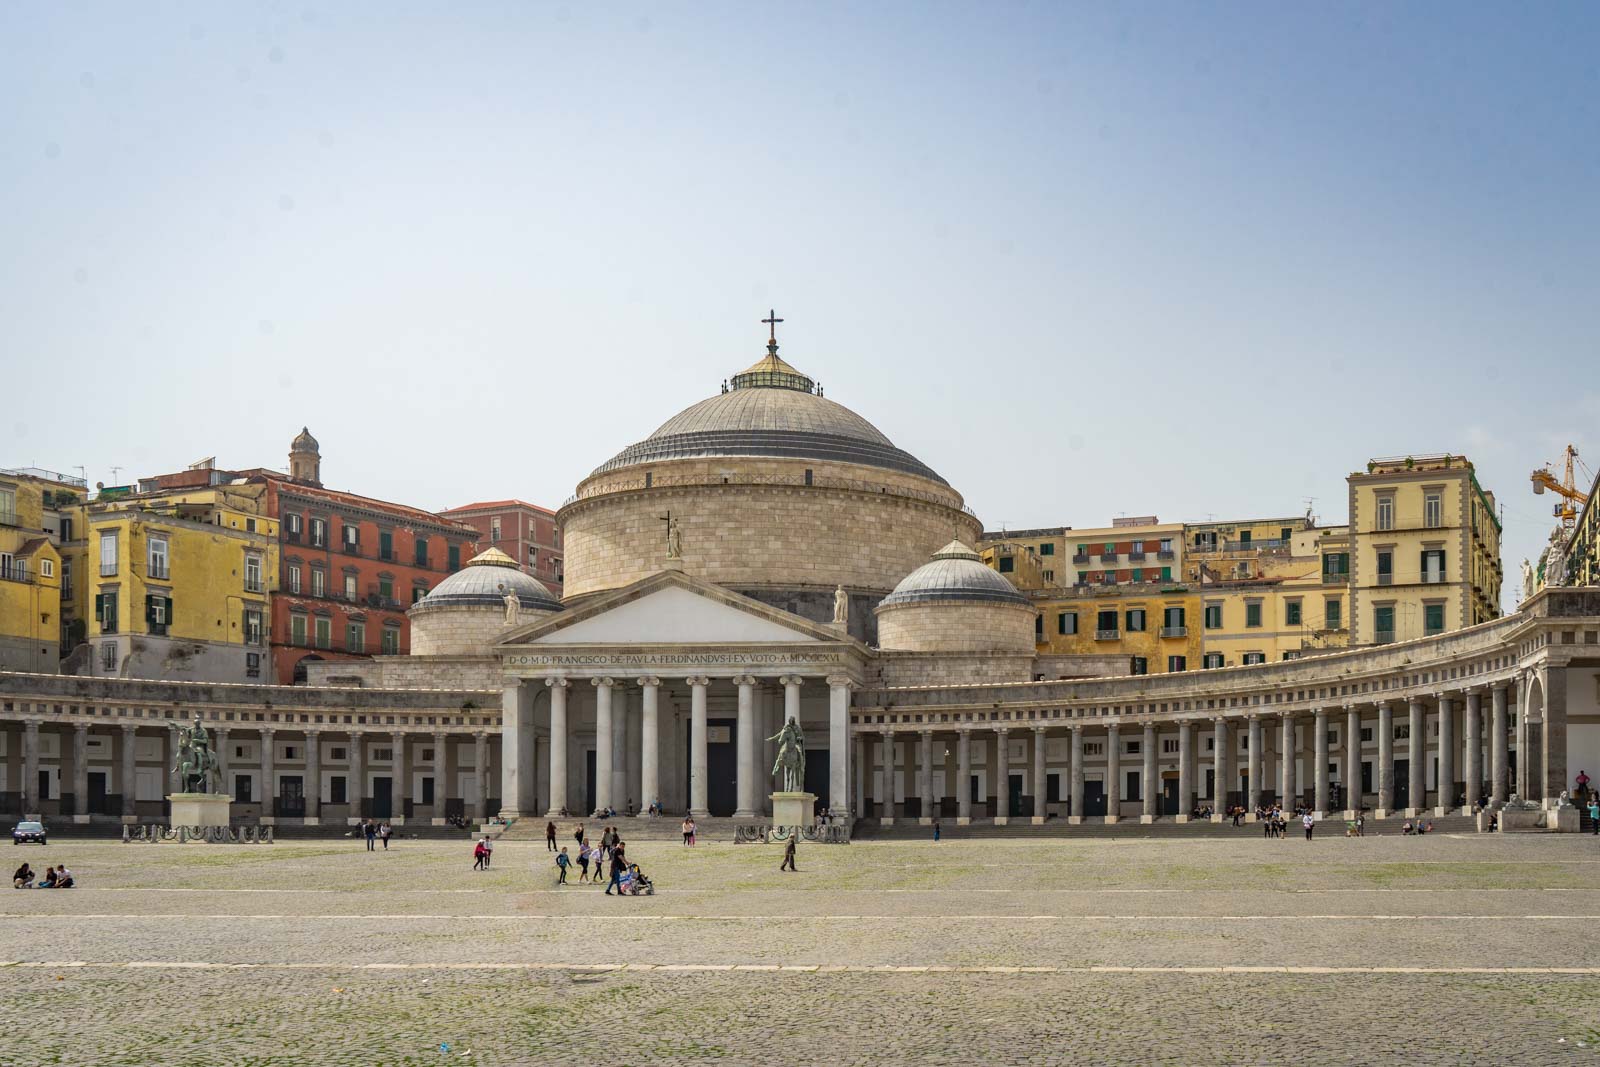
{"x": 670, "y": 608}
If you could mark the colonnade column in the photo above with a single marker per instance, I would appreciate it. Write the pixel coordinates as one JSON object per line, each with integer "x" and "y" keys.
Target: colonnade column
{"x": 747, "y": 748}
{"x": 697, "y": 746}
{"x": 130, "y": 774}
{"x": 886, "y": 816}
{"x": 269, "y": 787}
{"x": 30, "y": 767}
{"x": 1002, "y": 778}
{"x": 480, "y": 769}
{"x": 1417, "y": 779}
{"x": 1385, "y": 760}
{"x": 402, "y": 777}
{"x": 858, "y": 772}
{"x": 1221, "y": 756}
{"x": 441, "y": 777}
{"x": 1447, "y": 755}
{"x": 1499, "y": 763}
{"x": 356, "y": 781}
{"x": 603, "y": 743}
{"x": 173, "y": 784}
{"x": 80, "y": 772}
{"x": 1075, "y": 778}
{"x": 1473, "y": 769}
{"x": 838, "y": 741}
{"x": 1253, "y": 763}
{"x": 1113, "y": 772}
{"x": 1150, "y": 786}
{"x": 925, "y": 779}
{"x": 1039, "y": 790}
{"x": 619, "y": 747}
{"x": 1523, "y": 787}
{"x": 650, "y": 744}
{"x": 311, "y": 792}
{"x": 963, "y": 777}
{"x": 219, "y": 748}
{"x": 516, "y": 742}
{"x": 1286, "y": 761}
{"x": 558, "y": 750}
{"x": 1186, "y": 798}
{"x": 1320, "y": 777}
{"x": 1350, "y": 770}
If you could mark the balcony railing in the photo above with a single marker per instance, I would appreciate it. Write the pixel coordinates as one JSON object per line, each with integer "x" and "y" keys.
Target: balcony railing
{"x": 1383, "y": 637}
{"x": 1136, "y": 555}
{"x": 1432, "y": 578}
{"x": 1385, "y": 578}
{"x": 1106, "y": 635}
{"x": 15, "y": 572}
{"x": 108, "y": 570}
{"x": 1174, "y": 631}
{"x": 1165, "y": 554}
{"x": 1108, "y": 557}
{"x": 1080, "y": 558}
{"x": 8, "y": 516}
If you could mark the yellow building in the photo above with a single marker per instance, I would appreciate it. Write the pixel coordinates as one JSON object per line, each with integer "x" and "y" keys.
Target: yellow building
{"x": 181, "y": 580}
{"x": 1425, "y": 549}
{"x": 30, "y": 574}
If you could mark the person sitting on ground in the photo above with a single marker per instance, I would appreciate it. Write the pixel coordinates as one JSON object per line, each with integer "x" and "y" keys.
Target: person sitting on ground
{"x": 1405, "y": 828}
{"x": 49, "y": 879}
{"x": 23, "y": 879}
{"x": 64, "y": 878}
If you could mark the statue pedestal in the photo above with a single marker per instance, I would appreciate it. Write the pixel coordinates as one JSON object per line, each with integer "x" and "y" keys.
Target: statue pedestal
{"x": 199, "y": 809}
{"x": 794, "y": 809}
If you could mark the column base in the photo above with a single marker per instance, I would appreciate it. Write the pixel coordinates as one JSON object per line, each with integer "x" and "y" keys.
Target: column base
{"x": 1001, "y": 820}
{"x": 1038, "y": 820}
{"x": 1220, "y": 818}
{"x": 1110, "y": 819}
{"x": 1250, "y": 816}
{"x": 311, "y": 820}
{"x": 1146, "y": 820}
{"x": 925, "y": 820}
{"x": 1074, "y": 820}
{"x": 746, "y": 813}
{"x": 1439, "y": 813}
{"x": 1381, "y": 813}
{"x": 1412, "y": 813}
{"x": 699, "y": 813}
{"x": 963, "y": 820}
{"x": 268, "y": 820}
{"x": 1349, "y": 815}
{"x": 1180, "y": 818}
{"x": 886, "y": 820}
{"x": 80, "y": 820}
{"x": 130, "y": 820}
{"x": 439, "y": 822}
{"x": 1319, "y": 815}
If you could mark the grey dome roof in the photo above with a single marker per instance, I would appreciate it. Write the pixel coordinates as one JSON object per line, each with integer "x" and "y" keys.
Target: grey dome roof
{"x": 771, "y": 410}
{"x": 955, "y": 572}
{"x": 303, "y": 441}
{"x": 485, "y": 580}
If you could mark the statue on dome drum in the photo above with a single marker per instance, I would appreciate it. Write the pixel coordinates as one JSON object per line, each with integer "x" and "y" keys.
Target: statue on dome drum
{"x": 513, "y": 606}
{"x": 674, "y": 540}
{"x": 196, "y": 763}
{"x": 841, "y": 606}
{"x": 791, "y": 761}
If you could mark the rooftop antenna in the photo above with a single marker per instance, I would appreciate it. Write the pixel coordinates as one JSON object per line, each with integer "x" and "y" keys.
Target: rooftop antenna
{"x": 114, "y": 472}
{"x": 83, "y": 472}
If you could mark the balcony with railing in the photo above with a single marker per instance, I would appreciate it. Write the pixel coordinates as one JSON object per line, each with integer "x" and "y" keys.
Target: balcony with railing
{"x": 1383, "y": 637}
{"x": 1080, "y": 558}
{"x": 1108, "y": 557}
{"x": 15, "y": 571}
{"x": 1385, "y": 577}
{"x": 1136, "y": 556}
{"x": 1174, "y": 631}
{"x": 1166, "y": 555}
{"x": 8, "y": 516}
{"x": 1107, "y": 635}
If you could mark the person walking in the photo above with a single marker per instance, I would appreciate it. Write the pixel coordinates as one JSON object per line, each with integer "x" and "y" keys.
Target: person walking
{"x": 384, "y": 831}
{"x": 477, "y": 856}
{"x": 550, "y": 837}
{"x": 488, "y": 850}
{"x": 1594, "y": 816}
{"x": 788, "y": 856}
{"x": 563, "y": 861}
{"x": 1310, "y": 823}
{"x": 577, "y": 833}
{"x": 369, "y": 829}
{"x": 936, "y": 831}
{"x": 617, "y": 867}
{"x": 688, "y": 831}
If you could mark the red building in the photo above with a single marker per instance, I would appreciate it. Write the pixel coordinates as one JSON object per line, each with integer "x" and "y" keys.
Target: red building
{"x": 525, "y": 532}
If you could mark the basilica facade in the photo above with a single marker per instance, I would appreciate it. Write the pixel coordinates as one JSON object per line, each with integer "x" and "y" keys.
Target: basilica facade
{"x": 767, "y": 554}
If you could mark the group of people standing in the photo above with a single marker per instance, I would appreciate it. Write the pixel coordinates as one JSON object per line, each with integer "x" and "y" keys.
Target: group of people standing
{"x": 374, "y": 832}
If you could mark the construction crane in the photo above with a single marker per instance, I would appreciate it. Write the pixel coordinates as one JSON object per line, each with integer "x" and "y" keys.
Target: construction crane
{"x": 1573, "y": 499}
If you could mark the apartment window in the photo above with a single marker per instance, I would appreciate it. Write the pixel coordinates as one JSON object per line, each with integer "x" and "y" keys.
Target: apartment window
{"x": 295, "y": 523}
{"x": 1138, "y": 574}
{"x": 337, "y": 793}
{"x": 1132, "y": 749}
{"x": 1177, "y": 663}
{"x": 249, "y": 526}
{"x": 1332, "y": 614}
{"x": 1166, "y": 544}
{"x": 1335, "y": 568}
{"x": 453, "y": 558}
{"x": 1252, "y": 658}
{"x": 391, "y": 641}
{"x": 1106, "y": 621}
{"x": 555, "y": 565}
{"x": 352, "y": 536}
{"x": 1049, "y": 575}
{"x": 1213, "y": 616}
{"x": 158, "y": 613}
{"x": 252, "y": 573}
{"x": 1047, "y": 549}
{"x": 1038, "y": 628}
{"x": 1252, "y": 613}
{"x": 1432, "y": 619}
{"x": 297, "y": 630}
{"x": 355, "y": 637}
{"x": 385, "y": 544}
{"x": 1007, "y": 564}
{"x": 386, "y": 588}
{"x": 1172, "y": 618}
{"x": 252, "y": 664}
{"x": 494, "y": 529}
{"x": 108, "y": 656}
{"x": 1291, "y": 613}
{"x": 1135, "y": 620}
{"x": 324, "y": 630}
{"x": 294, "y": 578}
{"x": 1385, "y": 567}
{"x": 1067, "y": 623}
{"x": 66, "y": 577}
{"x": 319, "y": 533}
{"x": 8, "y": 506}
{"x": 1433, "y": 565}
{"x": 350, "y": 587}
{"x": 422, "y": 551}
{"x": 105, "y": 609}
{"x": 1386, "y": 513}
{"x": 108, "y": 554}
{"x": 252, "y": 628}
{"x": 1141, "y": 665}
{"x": 533, "y": 555}
{"x": 1211, "y": 661}
{"x": 319, "y": 582}
{"x": 1433, "y": 510}
{"x": 1383, "y": 623}
{"x": 1169, "y": 746}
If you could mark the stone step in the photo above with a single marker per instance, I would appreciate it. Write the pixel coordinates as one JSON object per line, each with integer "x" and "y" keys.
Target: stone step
{"x": 867, "y": 829}
{"x": 632, "y": 828}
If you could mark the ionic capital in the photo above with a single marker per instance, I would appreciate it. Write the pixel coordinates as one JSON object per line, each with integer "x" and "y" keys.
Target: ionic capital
{"x": 838, "y": 680}
{"x": 557, "y": 683}
{"x": 606, "y": 682}
{"x": 649, "y": 681}
{"x": 743, "y": 680}
{"x": 698, "y": 680}
{"x": 790, "y": 679}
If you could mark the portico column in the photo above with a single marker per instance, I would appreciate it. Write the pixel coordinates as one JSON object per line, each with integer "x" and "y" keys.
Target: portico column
{"x": 1186, "y": 799}
{"x": 1447, "y": 755}
{"x": 1320, "y": 777}
{"x": 402, "y": 779}
{"x": 219, "y": 742}
{"x": 1002, "y": 787}
{"x": 441, "y": 777}
{"x": 886, "y": 747}
{"x": 1474, "y": 758}
{"x": 603, "y": 743}
{"x": 1039, "y": 791}
{"x": 1075, "y": 778}
{"x": 1221, "y": 755}
{"x": 269, "y": 785}
{"x": 747, "y": 747}
{"x": 1113, "y": 772}
{"x": 173, "y": 782}
{"x": 480, "y": 767}
{"x": 619, "y": 747}
{"x": 1417, "y": 778}
{"x": 1523, "y": 787}
{"x": 1286, "y": 761}
{"x": 697, "y": 747}
{"x": 313, "y": 785}
{"x": 516, "y": 741}
{"x": 1385, "y": 760}
{"x": 558, "y": 751}
{"x": 1350, "y": 771}
{"x": 963, "y": 777}
{"x": 130, "y": 774}
{"x": 80, "y": 772}
{"x": 356, "y": 780}
{"x": 858, "y": 771}
{"x": 30, "y": 768}
{"x": 925, "y": 779}
{"x": 791, "y": 696}
{"x": 838, "y": 742}
{"x": 1253, "y": 762}
{"x": 1553, "y": 776}
{"x": 1148, "y": 779}
{"x": 650, "y": 744}
{"x": 1499, "y": 764}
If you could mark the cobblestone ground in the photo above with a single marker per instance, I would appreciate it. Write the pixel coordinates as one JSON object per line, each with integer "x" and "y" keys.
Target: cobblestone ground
{"x": 1447, "y": 949}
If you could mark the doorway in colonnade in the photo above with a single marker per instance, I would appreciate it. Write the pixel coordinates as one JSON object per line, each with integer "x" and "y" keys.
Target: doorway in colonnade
{"x": 817, "y": 775}
{"x": 382, "y": 796}
{"x": 1402, "y": 783}
{"x": 722, "y": 766}
{"x": 1169, "y": 795}
{"x": 1094, "y": 798}
{"x": 590, "y": 798}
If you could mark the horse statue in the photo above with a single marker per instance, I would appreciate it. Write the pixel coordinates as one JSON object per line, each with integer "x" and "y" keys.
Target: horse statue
{"x": 197, "y": 764}
{"x": 791, "y": 761}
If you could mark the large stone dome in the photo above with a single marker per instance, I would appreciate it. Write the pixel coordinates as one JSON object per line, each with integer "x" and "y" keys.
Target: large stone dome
{"x": 771, "y": 410}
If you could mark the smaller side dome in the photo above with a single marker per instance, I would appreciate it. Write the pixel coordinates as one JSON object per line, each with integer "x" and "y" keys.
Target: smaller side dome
{"x": 485, "y": 580}
{"x": 467, "y": 613}
{"x": 955, "y": 572}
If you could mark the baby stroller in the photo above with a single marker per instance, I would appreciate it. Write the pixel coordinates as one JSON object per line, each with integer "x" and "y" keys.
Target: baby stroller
{"x": 638, "y": 885}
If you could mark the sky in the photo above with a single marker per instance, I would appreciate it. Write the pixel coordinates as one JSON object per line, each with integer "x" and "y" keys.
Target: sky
{"x": 1194, "y": 261}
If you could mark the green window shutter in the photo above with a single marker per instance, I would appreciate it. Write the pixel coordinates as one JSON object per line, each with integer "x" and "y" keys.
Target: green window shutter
{"x": 169, "y": 610}
{"x": 149, "y": 608}
{"x": 1166, "y": 574}
{"x": 1138, "y": 574}
{"x": 99, "y": 605}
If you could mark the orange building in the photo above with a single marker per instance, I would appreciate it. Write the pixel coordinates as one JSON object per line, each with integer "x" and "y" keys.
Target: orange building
{"x": 525, "y": 532}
